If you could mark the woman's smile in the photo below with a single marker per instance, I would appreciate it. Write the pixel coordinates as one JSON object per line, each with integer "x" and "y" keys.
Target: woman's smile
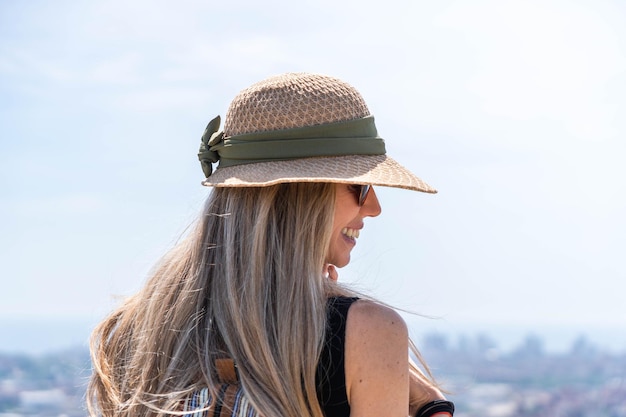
{"x": 348, "y": 222}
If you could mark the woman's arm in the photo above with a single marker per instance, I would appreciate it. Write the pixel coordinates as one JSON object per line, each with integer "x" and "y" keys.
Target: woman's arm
{"x": 376, "y": 361}
{"x": 422, "y": 397}
{"x": 378, "y": 380}
{"x": 421, "y": 391}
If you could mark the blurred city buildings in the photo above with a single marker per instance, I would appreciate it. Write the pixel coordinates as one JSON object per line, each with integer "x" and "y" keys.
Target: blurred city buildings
{"x": 483, "y": 381}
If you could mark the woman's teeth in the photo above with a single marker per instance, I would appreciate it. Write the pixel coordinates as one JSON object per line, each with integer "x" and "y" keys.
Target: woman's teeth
{"x": 353, "y": 233}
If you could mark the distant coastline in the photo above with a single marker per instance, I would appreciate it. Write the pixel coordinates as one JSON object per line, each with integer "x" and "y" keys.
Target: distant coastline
{"x": 40, "y": 336}
{"x": 554, "y": 338}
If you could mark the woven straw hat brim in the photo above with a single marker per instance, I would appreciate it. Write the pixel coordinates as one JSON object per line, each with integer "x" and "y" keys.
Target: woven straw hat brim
{"x": 378, "y": 170}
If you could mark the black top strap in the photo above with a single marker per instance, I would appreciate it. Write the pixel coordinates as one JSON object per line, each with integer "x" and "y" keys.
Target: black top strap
{"x": 331, "y": 376}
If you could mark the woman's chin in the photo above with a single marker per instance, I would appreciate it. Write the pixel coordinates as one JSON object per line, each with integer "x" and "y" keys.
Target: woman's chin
{"x": 339, "y": 262}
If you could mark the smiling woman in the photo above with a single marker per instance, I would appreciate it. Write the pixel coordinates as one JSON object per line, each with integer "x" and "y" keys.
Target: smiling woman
{"x": 245, "y": 316}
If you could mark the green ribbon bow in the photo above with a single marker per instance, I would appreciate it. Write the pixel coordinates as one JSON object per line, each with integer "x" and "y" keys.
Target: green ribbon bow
{"x": 351, "y": 137}
{"x": 210, "y": 137}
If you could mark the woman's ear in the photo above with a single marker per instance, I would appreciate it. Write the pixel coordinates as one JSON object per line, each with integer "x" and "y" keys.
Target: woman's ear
{"x": 330, "y": 271}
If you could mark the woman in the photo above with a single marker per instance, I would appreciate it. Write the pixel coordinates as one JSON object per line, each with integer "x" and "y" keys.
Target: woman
{"x": 245, "y": 314}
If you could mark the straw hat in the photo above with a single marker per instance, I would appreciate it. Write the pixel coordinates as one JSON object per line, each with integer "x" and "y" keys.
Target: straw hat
{"x": 300, "y": 127}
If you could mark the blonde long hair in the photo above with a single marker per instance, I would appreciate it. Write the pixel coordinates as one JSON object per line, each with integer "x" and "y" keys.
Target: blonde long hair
{"x": 246, "y": 283}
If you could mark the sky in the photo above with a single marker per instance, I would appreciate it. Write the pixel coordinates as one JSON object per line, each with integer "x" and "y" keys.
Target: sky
{"x": 513, "y": 110}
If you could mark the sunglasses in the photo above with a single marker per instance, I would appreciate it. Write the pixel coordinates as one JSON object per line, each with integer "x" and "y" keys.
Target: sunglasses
{"x": 361, "y": 192}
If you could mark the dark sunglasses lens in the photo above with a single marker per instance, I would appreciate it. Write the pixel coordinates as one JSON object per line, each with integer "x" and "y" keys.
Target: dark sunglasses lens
{"x": 365, "y": 189}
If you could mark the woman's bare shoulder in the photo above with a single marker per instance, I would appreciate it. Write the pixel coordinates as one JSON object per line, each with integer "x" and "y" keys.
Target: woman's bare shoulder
{"x": 375, "y": 317}
{"x": 376, "y": 360}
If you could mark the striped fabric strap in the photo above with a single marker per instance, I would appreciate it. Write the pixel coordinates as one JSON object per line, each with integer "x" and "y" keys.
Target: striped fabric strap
{"x": 231, "y": 402}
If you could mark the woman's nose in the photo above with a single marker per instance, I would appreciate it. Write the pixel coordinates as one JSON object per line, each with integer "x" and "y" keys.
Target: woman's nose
{"x": 371, "y": 206}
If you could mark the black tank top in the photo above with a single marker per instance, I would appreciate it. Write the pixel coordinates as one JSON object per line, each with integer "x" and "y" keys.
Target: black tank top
{"x": 331, "y": 377}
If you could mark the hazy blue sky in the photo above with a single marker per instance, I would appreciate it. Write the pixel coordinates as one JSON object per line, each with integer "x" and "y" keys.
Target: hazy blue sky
{"x": 514, "y": 110}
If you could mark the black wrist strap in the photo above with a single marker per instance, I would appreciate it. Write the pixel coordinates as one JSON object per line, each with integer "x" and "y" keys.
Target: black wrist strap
{"x": 433, "y": 407}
